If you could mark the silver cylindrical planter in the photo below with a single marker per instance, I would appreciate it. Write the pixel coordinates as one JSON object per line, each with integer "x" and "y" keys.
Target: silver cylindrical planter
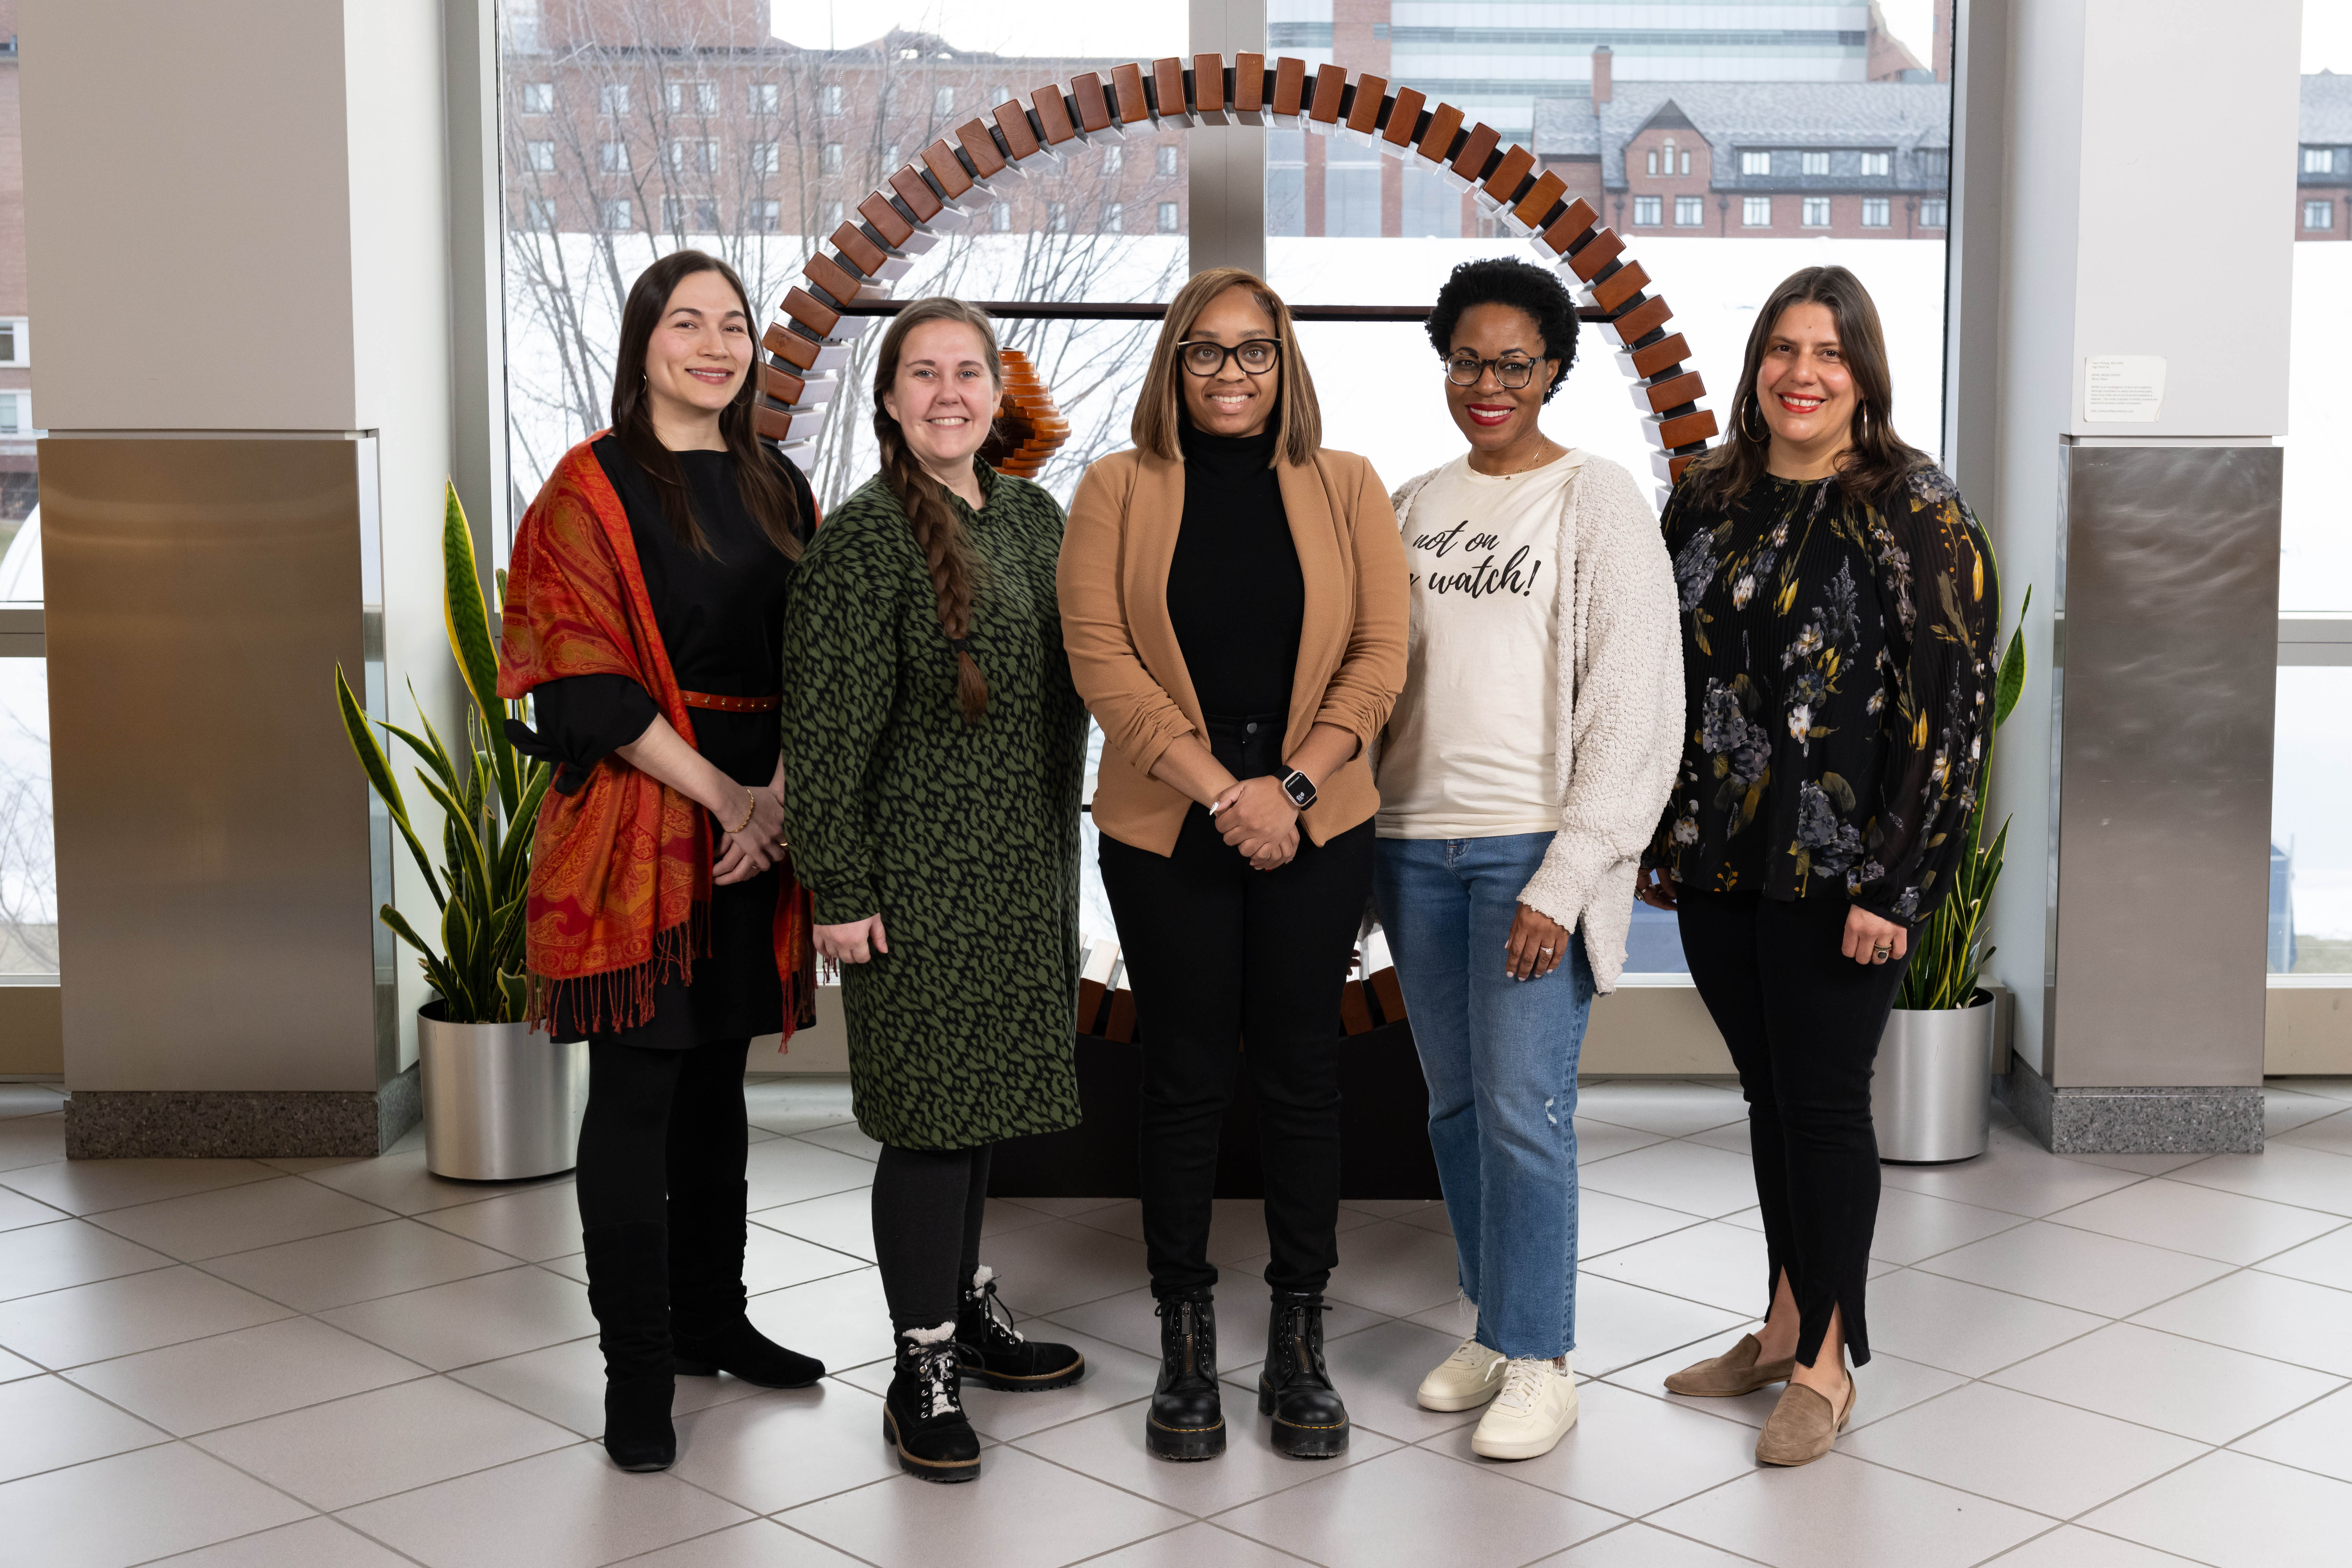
{"x": 1931, "y": 1096}
{"x": 502, "y": 1103}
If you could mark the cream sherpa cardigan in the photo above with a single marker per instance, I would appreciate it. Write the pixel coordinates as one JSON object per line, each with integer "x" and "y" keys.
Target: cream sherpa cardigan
{"x": 1620, "y": 668}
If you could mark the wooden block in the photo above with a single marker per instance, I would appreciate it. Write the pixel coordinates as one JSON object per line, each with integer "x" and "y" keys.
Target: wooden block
{"x": 1504, "y": 184}
{"x": 773, "y": 423}
{"x": 1675, "y": 391}
{"x": 1659, "y": 355}
{"x": 1126, "y": 94}
{"x": 1541, "y": 200}
{"x": 1589, "y": 259}
{"x": 788, "y": 345}
{"x": 1676, "y": 465}
{"x": 831, "y": 276}
{"x": 1054, "y": 115}
{"x": 1208, "y": 84}
{"x": 1090, "y": 1006}
{"x": 1323, "y": 103}
{"x": 947, "y": 169}
{"x": 1168, "y": 87}
{"x": 1685, "y": 429}
{"x": 1437, "y": 142}
{"x": 1289, "y": 85}
{"x": 1565, "y": 230}
{"x": 1371, "y": 92}
{"x": 862, "y": 253}
{"x": 1620, "y": 285}
{"x": 1012, "y": 124}
{"x": 1389, "y": 992}
{"x": 802, "y": 307}
{"x": 1249, "y": 84}
{"x": 1093, "y": 108}
{"x": 1404, "y": 118}
{"x": 1120, "y": 1026}
{"x": 781, "y": 384}
{"x": 1470, "y": 163}
{"x": 981, "y": 148}
{"x": 1642, "y": 320}
{"x": 913, "y": 189}
{"x": 887, "y": 221}
{"x": 1355, "y": 1011}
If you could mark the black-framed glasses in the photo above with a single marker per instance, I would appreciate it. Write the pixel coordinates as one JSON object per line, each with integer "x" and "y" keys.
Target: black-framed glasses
{"x": 1511, "y": 370}
{"x": 1205, "y": 359}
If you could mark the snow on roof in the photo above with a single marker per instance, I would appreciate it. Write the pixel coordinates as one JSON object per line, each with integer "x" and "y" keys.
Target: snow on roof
{"x": 2326, "y": 108}
{"x": 1735, "y": 114}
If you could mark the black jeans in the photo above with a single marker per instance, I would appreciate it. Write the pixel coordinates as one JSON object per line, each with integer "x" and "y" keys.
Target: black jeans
{"x": 927, "y": 1208}
{"x": 659, "y": 1122}
{"x": 1231, "y": 965}
{"x": 1803, "y": 1023}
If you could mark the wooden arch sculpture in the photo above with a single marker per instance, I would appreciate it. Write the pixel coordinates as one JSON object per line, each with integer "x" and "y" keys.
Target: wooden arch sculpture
{"x": 933, "y": 194}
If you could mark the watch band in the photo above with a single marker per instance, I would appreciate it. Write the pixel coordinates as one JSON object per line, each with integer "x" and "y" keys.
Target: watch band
{"x": 1293, "y": 781}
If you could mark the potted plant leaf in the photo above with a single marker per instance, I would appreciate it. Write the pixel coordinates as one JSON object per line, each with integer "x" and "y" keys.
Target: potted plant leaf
{"x": 502, "y": 1101}
{"x": 1930, "y": 1094}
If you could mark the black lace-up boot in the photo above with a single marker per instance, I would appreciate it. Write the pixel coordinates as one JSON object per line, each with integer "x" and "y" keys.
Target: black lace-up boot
{"x": 922, "y": 1415}
{"x": 709, "y": 1332}
{"x": 994, "y": 1352}
{"x": 1186, "y": 1420}
{"x": 628, "y": 1289}
{"x": 1310, "y": 1422}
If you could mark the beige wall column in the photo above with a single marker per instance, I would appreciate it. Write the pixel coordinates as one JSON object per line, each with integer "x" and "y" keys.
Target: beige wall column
{"x": 242, "y": 213}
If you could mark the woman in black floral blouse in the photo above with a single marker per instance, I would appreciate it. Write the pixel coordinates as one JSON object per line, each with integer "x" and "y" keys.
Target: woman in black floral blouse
{"x": 1838, "y": 611}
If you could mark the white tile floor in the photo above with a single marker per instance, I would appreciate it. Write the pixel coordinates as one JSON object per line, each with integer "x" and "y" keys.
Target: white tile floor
{"x": 2089, "y": 1363}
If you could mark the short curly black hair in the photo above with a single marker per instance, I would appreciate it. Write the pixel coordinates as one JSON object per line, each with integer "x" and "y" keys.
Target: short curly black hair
{"x": 1500, "y": 281}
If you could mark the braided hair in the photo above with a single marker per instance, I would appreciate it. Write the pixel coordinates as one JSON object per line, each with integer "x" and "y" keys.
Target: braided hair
{"x": 938, "y": 528}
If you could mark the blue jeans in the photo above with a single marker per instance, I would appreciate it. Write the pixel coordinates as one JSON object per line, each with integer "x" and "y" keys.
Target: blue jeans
{"x": 1501, "y": 1059}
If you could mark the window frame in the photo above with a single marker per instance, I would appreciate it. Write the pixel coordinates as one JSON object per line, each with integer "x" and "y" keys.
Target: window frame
{"x": 1649, "y": 212}
{"x": 1750, "y": 209}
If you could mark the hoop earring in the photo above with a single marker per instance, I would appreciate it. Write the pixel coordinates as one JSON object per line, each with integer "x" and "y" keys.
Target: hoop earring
{"x": 1746, "y": 409}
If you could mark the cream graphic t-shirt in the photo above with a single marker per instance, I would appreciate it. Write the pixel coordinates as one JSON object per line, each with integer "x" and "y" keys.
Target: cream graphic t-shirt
{"x": 1472, "y": 744}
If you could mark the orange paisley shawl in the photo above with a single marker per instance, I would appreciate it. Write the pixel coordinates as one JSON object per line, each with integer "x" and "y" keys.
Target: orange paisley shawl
{"x": 620, "y": 873}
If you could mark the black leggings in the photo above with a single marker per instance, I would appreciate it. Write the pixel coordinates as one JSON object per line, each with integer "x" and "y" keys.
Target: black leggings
{"x": 658, "y": 1122}
{"x": 927, "y": 1208}
{"x": 1803, "y": 1022}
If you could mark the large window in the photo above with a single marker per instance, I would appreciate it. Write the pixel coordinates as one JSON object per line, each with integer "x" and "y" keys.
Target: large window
{"x": 29, "y": 889}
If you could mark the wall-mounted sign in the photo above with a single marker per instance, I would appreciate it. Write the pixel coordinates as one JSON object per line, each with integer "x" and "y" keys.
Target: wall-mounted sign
{"x": 2123, "y": 389}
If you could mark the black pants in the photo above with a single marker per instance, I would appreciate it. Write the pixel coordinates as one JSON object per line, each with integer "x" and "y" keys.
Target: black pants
{"x": 927, "y": 1208}
{"x": 1803, "y": 1023}
{"x": 1231, "y": 965}
{"x": 659, "y": 1122}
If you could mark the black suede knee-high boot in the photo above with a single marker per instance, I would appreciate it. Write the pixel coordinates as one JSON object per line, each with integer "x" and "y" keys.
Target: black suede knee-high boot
{"x": 628, "y": 1289}
{"x": 709, "y": 1332}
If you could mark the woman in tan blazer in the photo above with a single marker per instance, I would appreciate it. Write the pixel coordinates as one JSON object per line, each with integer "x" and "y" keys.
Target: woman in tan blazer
{"x": 1234, "y": 603}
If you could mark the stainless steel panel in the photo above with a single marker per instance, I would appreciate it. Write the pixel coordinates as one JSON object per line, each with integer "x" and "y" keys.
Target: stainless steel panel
{"x": 2167, "y": 659}
{"x": 212, "y": 827}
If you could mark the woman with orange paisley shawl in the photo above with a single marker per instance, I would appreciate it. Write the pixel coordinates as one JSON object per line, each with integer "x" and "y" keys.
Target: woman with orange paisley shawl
{"x": 644, "y": 620}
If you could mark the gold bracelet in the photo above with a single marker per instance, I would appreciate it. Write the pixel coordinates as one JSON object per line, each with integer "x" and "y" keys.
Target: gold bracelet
{"x": 750, "y": 809}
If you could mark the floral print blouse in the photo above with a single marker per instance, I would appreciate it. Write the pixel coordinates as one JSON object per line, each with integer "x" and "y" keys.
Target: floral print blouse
{"x": 1838, "y": 665}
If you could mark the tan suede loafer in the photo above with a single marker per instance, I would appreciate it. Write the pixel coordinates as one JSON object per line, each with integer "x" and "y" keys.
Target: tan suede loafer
{"x": 1802, "y": 1427}
{"x": 1734, "y": 1373}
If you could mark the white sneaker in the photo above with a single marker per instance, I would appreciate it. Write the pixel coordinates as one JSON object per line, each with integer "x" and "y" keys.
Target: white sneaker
{"x": 1531, "y": 1415}
{"x": 1472, "y": 1376}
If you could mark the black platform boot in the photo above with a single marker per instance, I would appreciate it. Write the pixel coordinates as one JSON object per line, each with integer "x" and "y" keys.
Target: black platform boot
{"x": 994, "y": 1354}
{"x": 1186, "y": 1420}
{"x": 922, "y": 1415}
{"x": 709, "y": 1332}
{"x": 1310, "y": 1422}
{"x": 628, "y": 1289}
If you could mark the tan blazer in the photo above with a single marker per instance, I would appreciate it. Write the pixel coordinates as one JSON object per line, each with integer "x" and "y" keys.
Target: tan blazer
{"x": 1123, "y": 651}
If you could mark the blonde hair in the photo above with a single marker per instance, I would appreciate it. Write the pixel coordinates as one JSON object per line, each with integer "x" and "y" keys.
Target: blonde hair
{"x": 938, "y": 528}
{"x": 1159, "y": 409}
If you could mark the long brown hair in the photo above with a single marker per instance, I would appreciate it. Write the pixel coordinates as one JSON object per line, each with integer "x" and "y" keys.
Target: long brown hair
{"x": 939, "y": 528}
{"x": 767, "y": 496}
{"x": 1876, "y": 466}
{"x": 1159, "y": 407}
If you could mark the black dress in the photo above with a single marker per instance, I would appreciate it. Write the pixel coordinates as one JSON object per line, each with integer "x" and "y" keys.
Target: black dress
{"x": 721, "y": 621}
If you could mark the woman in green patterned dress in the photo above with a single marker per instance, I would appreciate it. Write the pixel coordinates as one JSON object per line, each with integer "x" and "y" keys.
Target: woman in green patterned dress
{"x": 937, "y": 750}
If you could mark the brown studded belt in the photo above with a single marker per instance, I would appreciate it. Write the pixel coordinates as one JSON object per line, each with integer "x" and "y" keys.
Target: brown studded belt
{"x": 718, "y": 704}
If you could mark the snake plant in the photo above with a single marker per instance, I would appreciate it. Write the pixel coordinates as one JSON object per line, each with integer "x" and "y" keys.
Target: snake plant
{"x": 488, "y": 807}
{"x": 1947, "y": 952}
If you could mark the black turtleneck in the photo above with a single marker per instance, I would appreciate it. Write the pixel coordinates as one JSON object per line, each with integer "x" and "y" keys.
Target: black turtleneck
{"x": 1234, "y": 591}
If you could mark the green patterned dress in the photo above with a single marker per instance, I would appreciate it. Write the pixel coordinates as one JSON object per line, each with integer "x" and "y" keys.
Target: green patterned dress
{"x": 965, "y": 840}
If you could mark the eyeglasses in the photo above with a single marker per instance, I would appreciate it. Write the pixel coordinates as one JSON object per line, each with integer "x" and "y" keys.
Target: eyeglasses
{"x": 1206, "y": 359}
{"x": 1510, "y": 371}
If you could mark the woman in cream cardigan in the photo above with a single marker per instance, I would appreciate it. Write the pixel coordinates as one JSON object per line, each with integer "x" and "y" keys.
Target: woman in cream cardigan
{"x": 1234, "y": 603}
{"x": 1521, "y": 778}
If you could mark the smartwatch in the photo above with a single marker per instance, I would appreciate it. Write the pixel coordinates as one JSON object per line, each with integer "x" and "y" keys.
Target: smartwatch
{"x": 1298, "y": 786}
